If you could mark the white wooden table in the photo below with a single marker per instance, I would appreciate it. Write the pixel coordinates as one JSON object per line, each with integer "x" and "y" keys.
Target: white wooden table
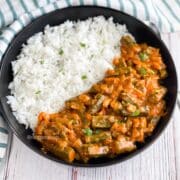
{"x": 161, "y": 161}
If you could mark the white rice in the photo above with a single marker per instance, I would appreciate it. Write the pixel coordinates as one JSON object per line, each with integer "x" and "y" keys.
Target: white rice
{"x": 61, "y": 63}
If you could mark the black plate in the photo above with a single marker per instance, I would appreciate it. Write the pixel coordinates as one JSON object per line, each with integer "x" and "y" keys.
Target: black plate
{"x": 140, "y": 31}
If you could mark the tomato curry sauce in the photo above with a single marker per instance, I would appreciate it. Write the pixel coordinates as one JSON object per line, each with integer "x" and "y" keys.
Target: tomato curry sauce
{"x": 114, "y": 114}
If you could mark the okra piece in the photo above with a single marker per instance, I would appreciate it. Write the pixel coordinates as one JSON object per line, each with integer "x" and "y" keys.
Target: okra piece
{"x": 97, "y": 106}
{"x": 127, "y": 41}
{"x": 67, "y": 153}
{"x": 95, "y": 138}
{"x": 93, "y": 150}
{"x": 123, "y": 146}
{"x": 77, "y": 144}
{"x": 103, "y": 121}
{"x": 96, "y": 150}
{"x": 155, "y": 120}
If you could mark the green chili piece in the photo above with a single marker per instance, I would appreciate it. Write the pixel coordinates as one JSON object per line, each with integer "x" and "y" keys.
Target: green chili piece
{"x": 142, "y": 71}
{"x": 143, "y": 56}
{"x": 135, "y": 113}
{"x": 87, "y": 131}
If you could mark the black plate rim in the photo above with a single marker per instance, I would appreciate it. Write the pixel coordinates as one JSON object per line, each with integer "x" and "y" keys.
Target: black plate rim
{"x": 75, "y": 164}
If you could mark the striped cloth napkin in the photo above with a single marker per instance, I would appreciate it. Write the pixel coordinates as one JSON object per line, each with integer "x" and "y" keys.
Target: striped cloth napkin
{"x": 15, "y": 14}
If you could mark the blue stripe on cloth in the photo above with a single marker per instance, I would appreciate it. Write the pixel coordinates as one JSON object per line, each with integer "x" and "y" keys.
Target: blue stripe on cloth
{"x": 3, "y": 130}
{"x": 20, "y": 22}
{"x": 42, "y": 10}
{"x": 3, "y": 145}
{"x": 95, "y": 2}
{"x": 35, "y": 3}
{"x": 55, "y": 5}
{"x": 2, "y": 20}
{"x": 26, "y": 9}
{"x": 12, "y": 9}
{"x": 81, "y": 2}
{"x": 146, "y": 9}
{"x": 108, "y": 3}
{"x": 12, "y": 30}
{"x": 1, "y": 53}
{"x": 4, "y": 40}
{"x": 159, "y": 19}
{"x": 121, "y": 5}
{"x": 68, "y": 2}
{"x": 171, "y": 11}
{"x": 178, "y": 2}
{"x": 134, "y": 8}
{"x": 164, "y": 15}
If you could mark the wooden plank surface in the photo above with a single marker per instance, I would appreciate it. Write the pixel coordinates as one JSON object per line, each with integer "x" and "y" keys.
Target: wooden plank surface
{"x": 175, "y": 51}
{"x": 161, "y": 161}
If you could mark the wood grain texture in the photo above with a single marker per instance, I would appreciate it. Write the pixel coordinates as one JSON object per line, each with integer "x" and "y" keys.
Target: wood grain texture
{"x": 174, "y": 45}
{"x": 161, "y": 161}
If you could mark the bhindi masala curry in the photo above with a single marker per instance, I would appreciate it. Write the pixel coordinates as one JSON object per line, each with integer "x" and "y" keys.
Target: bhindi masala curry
{"x": 112, "y": 116}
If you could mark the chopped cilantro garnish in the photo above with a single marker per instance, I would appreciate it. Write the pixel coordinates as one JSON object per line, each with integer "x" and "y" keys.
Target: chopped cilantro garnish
{"x": 143, "y": 56}
{"x": 135, "y": 113}
{"x": 142, "y": 71}
{"x": 83, "y": 77}
{"x": 92, "y": 56}
{"x": 38, "y": 92}
{"x": 82, "y": 44}
{"x": 87, "y": 131}
{"x": 61, "y": 52}
{"x": 61, "y": 69}
{"x": 42, "y": 62}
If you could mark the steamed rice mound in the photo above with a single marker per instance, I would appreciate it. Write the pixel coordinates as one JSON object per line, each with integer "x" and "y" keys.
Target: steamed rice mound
{"x": 60, "y": 63}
